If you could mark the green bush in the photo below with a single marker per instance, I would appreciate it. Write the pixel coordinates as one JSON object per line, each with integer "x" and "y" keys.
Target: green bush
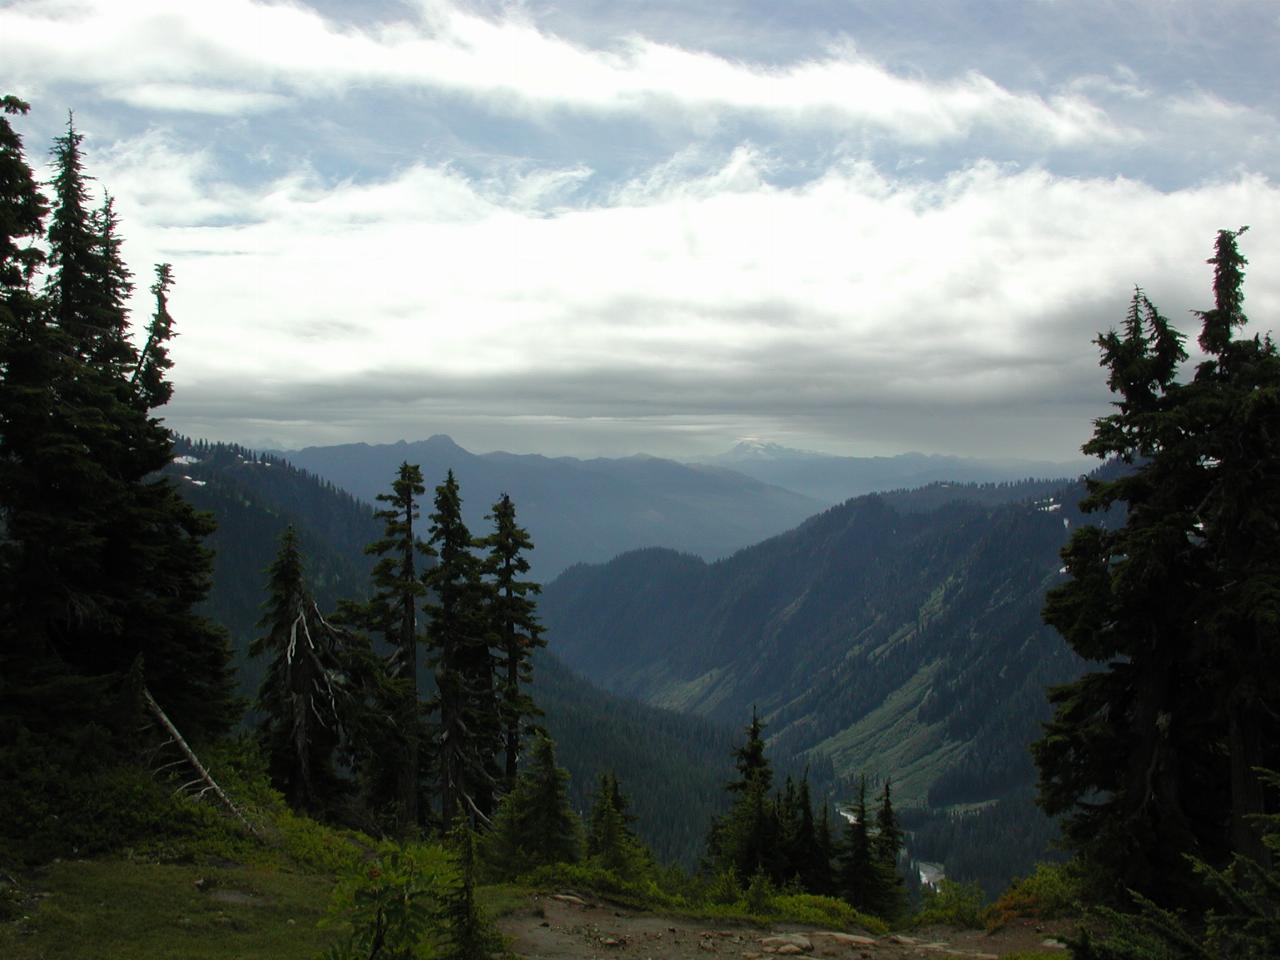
{"x": 589, "y": 876}
{"x": 953, "y": 904}
{"x": 825, "y": 912}
{"x": 392, "y": 903}
{"x": 1054, "y": 890}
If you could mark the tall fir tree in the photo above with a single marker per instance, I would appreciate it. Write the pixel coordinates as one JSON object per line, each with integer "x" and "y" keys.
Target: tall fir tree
{"x": 393, "y": 611}
{"x": 890, "y": 901}
{"x": 611, "y": 842}
{"x": 820, "y": 878}
{"x": 309, "y": 694}
{"x": 515, "y": 623}
{"x": 535, "y": 826}
{"x": 857, "y": 864}
{"x": 746, "y": 838}
{"x": 459, "y": 635}
{"x": 104, "y": 559}
{"x": 1154, "y": 756}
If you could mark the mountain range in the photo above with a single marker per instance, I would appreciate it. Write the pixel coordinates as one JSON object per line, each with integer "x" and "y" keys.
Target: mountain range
{"x": 580, "y": 510}
{"x": 834, "y": 479}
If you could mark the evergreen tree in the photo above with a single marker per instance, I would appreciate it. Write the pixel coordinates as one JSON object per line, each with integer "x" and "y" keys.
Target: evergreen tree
{"x": 611, "y": 843}
{"x": 857, "y": 878}
{"x": 889, "y": 900}
{"x": 459, "y": 635}
{"x": 308, "y": 695}
{"x": 515, "y": 623}
{"x": 468, "y": 936}
{"x": 393, "y": 611}
{"x": 746, "y": 838}
{"x": 535, "y": 826}
{"x": 820, "y": 879}
{"x": 103, "y": 560}
{"x": 1154, "y": 756}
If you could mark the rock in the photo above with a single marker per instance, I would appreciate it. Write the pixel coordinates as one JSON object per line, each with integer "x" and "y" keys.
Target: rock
{"x": 844, "y": 939}
{"x": 798, "y": 940}
{"x": 1053, "y": 944}
{"x": 789, "y": 949}
{"x": 610, "y": 942}
{"x": 569, "y": 898}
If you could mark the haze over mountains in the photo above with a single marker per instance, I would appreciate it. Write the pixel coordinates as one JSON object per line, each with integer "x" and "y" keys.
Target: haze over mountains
{"x": 834, "y": 479}
{"x": 592, "y": 510}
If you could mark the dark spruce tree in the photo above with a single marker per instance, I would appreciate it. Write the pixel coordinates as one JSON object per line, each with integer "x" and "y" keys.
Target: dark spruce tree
{"x": 309, "y": 696}
{"x": 746, "y": 839}
{"x": 104, "y": 562}
{"x": 459, "y": 636}
{"x": 516, "y": 625}
{"x": 890, "y": 900}
{"x": 857, "y": 872}
{"x": 1154, "y": 756}
{"x": 611, "y": 843}
{"x": 534, "y": 825}
{"x": 393, "y": 612}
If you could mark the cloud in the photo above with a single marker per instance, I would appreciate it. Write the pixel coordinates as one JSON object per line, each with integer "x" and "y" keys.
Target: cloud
{"x": 245, "y": 56}
{"x": 702, "y": 287}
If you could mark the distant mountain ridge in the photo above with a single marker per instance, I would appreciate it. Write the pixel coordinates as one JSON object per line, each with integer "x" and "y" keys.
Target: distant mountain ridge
{"x": 834, "y": 479}
{"x": 580, "y": 510}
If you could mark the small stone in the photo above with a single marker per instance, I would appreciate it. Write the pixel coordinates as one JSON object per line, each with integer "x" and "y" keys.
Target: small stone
{"x": 778, "y": 941}
{"x": 844, "y": 939}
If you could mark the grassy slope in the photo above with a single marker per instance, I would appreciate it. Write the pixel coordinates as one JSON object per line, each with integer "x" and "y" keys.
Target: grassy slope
{"x": 117, "y": 908}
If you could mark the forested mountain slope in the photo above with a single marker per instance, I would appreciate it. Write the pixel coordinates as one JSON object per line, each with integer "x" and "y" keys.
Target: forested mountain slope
{"x": 901, "y": 642}
{"x": 581, "y": 510}
{"x": 253, "y": 498}
{"x": 665, "y": 761}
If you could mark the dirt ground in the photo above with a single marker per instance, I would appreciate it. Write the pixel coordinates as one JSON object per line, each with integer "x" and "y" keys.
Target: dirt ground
{"x": 566, "y": 927}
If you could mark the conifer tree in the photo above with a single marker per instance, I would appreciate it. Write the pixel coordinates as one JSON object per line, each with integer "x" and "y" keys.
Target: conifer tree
{"x": 515, "y": 624}
{"x": 308, "y": 695}
{"x": 104, "y": 560}
{"x": 393, "y": 611}
{"x": 746, "y": 838}
{"x": 459, "y": 636}
{"x": 857, "y": 865}
{"x": 1153, "y": 756}
{"x": 611, "y": 842}
{"x": 890, "y": 893}
{"x": 468, "y": 936}
{"x": 535, "y": 826}
{"x": 820, "y": 879}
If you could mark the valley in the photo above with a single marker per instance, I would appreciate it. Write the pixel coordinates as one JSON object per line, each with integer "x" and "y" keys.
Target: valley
{"x": 896, "y": 635}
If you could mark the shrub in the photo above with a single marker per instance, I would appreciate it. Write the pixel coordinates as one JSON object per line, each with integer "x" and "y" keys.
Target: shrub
{"x": 392, "y": 903}
{"x": 953, "y": 904}
{"x": 1054, "y": 890}
{"x": 825, "y": 912}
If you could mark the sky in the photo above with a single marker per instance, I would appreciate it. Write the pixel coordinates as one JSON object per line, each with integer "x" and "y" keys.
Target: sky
{"x": 598, "y": 228}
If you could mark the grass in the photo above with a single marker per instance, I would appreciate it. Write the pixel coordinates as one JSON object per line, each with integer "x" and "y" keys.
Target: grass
{"x": 146, "y": 911}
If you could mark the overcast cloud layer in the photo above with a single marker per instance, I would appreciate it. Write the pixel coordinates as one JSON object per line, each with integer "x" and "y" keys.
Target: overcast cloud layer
{"x": 590, "y": 227}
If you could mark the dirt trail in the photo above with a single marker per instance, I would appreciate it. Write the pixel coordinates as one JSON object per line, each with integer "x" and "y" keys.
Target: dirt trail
{"x": 567, "y": 927}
